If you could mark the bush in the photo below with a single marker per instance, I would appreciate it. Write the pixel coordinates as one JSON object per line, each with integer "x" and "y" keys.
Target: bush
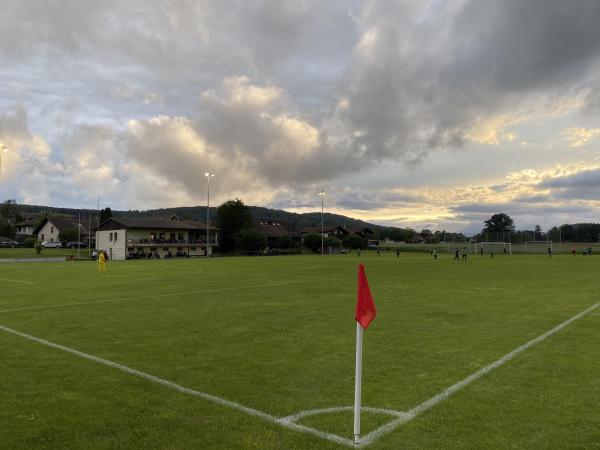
{"x": 38, "y": 247}
{"x": 285, "y": 242}
{"x": 332, "y": 241}
{"x": 354, "y": 241}
{"x": 312, "y": 241}
{"x": 250, "y": 240}
{"x": 28, "y": 242}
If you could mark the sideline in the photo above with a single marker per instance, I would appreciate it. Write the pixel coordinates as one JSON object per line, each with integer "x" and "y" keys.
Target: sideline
{"x": 289, "y": 421}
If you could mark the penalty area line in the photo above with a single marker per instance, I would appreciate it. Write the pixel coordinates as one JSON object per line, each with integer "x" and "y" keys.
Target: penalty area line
{"x": 176, "y": 387}
{"x": 446, "y": 393}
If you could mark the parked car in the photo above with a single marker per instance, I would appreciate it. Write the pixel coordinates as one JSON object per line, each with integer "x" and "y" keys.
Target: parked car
{"x": 76, "y": 244}
{"x": 51, "y": 244}
{"x": 6, "y": 242}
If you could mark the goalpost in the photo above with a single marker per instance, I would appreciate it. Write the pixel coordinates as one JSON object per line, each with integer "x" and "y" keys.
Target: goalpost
{"x": 463, "y": 247}
{"x": 495, "y": 247}
{"x": 537, "y": 246}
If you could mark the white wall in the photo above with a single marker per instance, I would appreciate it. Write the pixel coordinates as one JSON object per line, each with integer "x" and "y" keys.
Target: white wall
{"x": 113, "y": 241}
{"x": 49, "y": 232}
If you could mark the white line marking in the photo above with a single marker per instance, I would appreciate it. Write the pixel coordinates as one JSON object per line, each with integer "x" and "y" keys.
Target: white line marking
{"x": 154, "y": 379}
{"x": 16, "y": 281}
{"x": 337, "y": 409}
{"x": 166, "y": 294}
{"x": 420, "y": 409}
{"x": 289, "y": 421}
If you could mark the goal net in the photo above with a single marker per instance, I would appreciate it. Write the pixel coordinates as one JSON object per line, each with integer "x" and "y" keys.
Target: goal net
{"x": 463, "y": 247}
{"x": 537, "y": 247}
{"x": 494, "y": 247}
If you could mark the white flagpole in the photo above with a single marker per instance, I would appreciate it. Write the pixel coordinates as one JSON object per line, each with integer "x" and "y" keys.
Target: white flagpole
{"x": 357, "y": 380}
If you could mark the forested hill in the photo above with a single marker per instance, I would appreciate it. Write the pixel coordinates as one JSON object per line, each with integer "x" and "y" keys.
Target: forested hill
{"x": 199, "y": 212}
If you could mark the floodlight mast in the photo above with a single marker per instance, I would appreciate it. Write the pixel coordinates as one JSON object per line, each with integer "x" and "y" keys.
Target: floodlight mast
{"x": 208, "y": 176}
{"x": 4, "y": 150}
{"x": 322, "y": 195}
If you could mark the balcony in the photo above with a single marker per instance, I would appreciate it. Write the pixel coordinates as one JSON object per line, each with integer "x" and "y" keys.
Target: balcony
{"x": 170, "y": 242}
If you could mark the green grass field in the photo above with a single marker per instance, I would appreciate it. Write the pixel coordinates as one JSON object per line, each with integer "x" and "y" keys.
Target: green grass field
{"x": 276, "y": 334}
{"x": 12, "y": 253}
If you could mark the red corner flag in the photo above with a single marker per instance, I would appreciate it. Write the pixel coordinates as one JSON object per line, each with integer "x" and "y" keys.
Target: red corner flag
{"x": 365, "y": 308}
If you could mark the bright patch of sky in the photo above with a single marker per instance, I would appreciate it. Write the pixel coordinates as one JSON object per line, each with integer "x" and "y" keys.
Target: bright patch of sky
{"x": 422, "y": 114}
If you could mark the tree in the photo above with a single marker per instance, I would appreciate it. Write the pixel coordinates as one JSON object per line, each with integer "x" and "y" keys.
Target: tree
{"x": 353, "y": 241}
{"x": 10, "y": 209}
{"x": 499, "y": 223}
{"x": 68, "y": 234}
{"x": 106, "y": 213}
{"x": 285, "y": 242}
{"x": 312, "y": 241}
{"x": 332, "y": 241}
{"x": 249, "y": 239}
{"x": 7, "y": 230}
{"x": 232, "y": 217}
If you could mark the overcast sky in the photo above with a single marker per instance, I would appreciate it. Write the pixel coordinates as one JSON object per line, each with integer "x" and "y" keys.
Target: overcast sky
{"x": 424, "y": 114}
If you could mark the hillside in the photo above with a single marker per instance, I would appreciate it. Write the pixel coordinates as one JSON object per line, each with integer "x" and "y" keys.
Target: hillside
{"x": 199, "y": 212}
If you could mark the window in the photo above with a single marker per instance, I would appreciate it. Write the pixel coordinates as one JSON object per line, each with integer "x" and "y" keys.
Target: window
{"x": 42, "y": 236}
{"x": 172, "y": 236}
{"x": 165, "y": 249}
{"x": 51, "y": 229}
{"x": 110, "y": 237}
{"x": 115, "y": 237}
{"x": 180, "y": 236}
{"x": 193, "y": 248}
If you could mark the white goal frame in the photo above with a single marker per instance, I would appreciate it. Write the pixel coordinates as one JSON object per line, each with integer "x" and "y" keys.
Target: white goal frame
{"x": 546, "y": 245}
{"x": 506, "y": 245}
{"x": 450, "y": 246}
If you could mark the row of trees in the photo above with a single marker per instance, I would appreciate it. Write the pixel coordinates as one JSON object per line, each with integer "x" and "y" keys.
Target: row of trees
{"x": 238, "y": 233}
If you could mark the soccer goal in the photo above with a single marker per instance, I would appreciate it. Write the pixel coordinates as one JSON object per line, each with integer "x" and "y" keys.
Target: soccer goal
{"x": 494, "y": 247}
{"x": 537, "y": 247}
{"x": 463, "y": 247}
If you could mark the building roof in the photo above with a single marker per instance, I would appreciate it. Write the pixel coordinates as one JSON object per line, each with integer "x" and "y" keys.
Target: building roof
{"x": 154, "y": 223}
{"x": 360, "y": 231}
{"x": 63, "y": 223}
{"x": 332, "y": 230}
{"x": 276, "y": 228}
{"x": 28, "y": 220}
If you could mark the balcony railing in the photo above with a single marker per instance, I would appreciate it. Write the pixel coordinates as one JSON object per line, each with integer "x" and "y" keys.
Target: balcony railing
{"x": 171, "y": 242}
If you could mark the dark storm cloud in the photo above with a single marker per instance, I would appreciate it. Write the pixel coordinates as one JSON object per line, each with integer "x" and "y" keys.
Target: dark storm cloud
{"x": 583, "y": 179}
{"x": 324, "y": 89}
{"x": 420, "y": 86}
{"x": 361, "y": 199}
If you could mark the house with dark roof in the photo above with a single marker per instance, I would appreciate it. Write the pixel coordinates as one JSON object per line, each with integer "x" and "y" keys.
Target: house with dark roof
{"x": 139, "y": 237}
{"x": 338, "y": 232}
{"x": 26, "y": 226}
{"x": 50, "y": 227}
{"x": 276, "y": 230}
{"x": 364, "y": 233}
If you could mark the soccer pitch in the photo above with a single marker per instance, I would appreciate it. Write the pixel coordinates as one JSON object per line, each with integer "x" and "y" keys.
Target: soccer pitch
{"x": 237, "y": 353}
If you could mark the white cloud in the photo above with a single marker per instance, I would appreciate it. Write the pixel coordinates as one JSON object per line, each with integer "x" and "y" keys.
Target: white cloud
{"x": 578, "y": 137}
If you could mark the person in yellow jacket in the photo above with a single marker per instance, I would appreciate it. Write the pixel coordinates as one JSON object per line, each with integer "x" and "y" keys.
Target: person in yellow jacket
{"x": 102, "y": 262}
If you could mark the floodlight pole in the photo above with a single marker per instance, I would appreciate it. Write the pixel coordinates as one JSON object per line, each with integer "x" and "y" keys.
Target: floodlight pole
{"x": 208, "y": 176}
{"x": 322, "y": 195}
{"x": 3, "y": 150}
{"x": 78, "y": 235}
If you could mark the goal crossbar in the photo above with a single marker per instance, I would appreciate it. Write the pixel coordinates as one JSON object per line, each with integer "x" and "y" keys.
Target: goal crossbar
{"x": 506, "y": 245}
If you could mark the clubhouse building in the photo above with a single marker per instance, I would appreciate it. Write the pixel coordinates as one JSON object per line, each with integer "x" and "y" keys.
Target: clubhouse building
{"x": 134, "y": 237}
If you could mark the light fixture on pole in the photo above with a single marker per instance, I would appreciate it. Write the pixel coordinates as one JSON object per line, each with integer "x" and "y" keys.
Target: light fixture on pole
{"x": 4, "y": 150}
{"x": 322, "y": 195}
{"x": 208, "y": 177}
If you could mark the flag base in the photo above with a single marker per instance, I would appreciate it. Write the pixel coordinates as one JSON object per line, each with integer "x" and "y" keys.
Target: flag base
{"x": 356, "y": 439}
